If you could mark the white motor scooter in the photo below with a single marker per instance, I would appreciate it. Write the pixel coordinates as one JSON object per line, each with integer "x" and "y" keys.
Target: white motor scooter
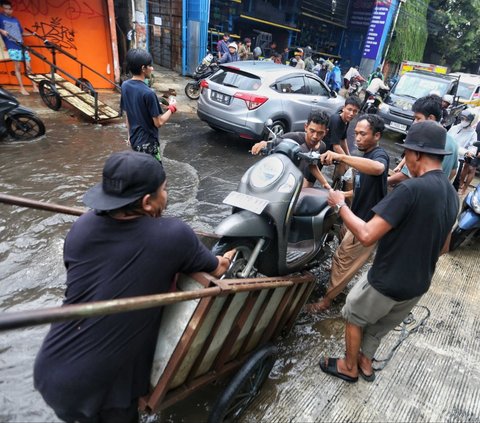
{"x": 276, "y": 227}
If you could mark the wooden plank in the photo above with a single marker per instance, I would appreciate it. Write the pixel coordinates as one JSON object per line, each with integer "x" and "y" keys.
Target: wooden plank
{"x": 240, "y": 321}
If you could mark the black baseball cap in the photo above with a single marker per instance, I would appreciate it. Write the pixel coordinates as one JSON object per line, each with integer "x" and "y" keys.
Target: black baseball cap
{"x": 127, "y": 176}
{"x": 426, "y": 137}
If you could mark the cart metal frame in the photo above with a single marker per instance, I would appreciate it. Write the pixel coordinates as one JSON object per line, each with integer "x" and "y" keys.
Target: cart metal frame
{"x": 220, "y": 332}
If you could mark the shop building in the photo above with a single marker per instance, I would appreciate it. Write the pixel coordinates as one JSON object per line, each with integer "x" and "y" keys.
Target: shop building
{"x": 179, "y": 32}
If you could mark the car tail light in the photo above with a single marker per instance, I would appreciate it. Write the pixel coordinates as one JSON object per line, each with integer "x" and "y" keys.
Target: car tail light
{"x": 253, "y": 101}
{"x": 203, "y": 84}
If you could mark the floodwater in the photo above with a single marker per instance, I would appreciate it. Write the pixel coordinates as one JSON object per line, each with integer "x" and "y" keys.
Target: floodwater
{"x": 202, "y": 167}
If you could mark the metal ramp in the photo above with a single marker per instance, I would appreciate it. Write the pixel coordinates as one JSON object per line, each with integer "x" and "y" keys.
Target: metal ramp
{"x": 59, "y": 85}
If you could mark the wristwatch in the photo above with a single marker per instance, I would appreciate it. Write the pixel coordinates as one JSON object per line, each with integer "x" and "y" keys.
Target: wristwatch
{"x": 337, "y": 207}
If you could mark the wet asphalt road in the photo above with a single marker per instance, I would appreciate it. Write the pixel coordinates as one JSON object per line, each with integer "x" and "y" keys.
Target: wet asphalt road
{"x": 202, "y": 167}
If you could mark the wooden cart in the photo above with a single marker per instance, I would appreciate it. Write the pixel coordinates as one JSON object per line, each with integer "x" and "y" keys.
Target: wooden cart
{"x": 203, "y": 340}
{"x": 59, "y": 85}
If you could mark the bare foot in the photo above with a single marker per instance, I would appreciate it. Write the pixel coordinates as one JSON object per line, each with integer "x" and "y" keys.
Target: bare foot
{"x": 319, "y": 307}
{"x": 365, "y": 365}
{"x": 24, "y": 92}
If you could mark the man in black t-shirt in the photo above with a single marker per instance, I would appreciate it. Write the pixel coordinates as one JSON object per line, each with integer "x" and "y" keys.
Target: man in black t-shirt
{"x": 310, "y": 140}
{"x": 412, "y": 225}
{"x": 94, "y": 369}
{"x": 370, "y": 187}
{"x": 336, "y": 139}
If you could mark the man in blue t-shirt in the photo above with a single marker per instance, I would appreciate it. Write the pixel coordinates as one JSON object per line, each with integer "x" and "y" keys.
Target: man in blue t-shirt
{"x": 96, "y": 368}
{"x": 12, "y": 34}
{"x": 140, "y": 103}
{"x": 412, "y": 225}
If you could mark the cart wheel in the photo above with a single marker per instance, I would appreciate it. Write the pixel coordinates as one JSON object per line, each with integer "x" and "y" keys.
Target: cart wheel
{"x": 244, "y": 387}
{"x": 50, "y": 95}
{"x": 85, "y": 85}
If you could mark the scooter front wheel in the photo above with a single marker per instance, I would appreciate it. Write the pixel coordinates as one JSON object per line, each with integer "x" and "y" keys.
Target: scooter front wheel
{"x": 24, "y": 127}
{"x": 192, "y": 90}
{"x": 243, "y": 247}
{"x": 459, "y": 235}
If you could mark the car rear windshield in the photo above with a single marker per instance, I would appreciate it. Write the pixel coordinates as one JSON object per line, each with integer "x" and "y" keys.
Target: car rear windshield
{"x": 237, "y": 79}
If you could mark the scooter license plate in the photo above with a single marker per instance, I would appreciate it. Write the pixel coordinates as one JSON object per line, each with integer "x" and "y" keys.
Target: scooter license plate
{"x": 398, "y": 126}
{"x": 246, "y": 202}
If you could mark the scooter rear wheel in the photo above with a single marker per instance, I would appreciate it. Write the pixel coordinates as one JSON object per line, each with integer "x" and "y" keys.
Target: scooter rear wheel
{"x": 24, "y": 127}
{"x": 192, "y": 90}
{"x": 244, "y": 247}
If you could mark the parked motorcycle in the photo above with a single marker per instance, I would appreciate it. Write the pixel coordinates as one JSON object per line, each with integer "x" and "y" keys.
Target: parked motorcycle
{"x": 373, "y": 101}
{"x": 207, "y": 67}
{"x": 276, "y": 227}
{"x": 17, "y": 121}
{"x": 468, "y": 223}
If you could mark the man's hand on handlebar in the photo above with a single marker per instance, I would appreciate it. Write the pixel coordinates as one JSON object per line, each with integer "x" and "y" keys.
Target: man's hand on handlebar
{"x": 257, "y": 148}
{"x": 330, "y": 157}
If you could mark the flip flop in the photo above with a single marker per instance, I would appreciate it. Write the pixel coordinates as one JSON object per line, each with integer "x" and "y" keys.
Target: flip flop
{"x": 331, "y": 369}
{"x": 365, "y": 377}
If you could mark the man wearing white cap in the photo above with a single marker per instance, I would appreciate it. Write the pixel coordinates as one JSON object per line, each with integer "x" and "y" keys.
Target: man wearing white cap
{"x": 232, "y": 55}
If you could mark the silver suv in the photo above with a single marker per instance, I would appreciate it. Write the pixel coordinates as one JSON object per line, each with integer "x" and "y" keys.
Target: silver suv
{"x": 242, "y": 96}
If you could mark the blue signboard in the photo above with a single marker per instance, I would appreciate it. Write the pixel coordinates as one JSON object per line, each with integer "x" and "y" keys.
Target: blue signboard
{"x": 376, "y": 29}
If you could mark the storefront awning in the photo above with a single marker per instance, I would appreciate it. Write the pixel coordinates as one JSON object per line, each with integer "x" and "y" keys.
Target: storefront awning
{"x": 251, "y": 18}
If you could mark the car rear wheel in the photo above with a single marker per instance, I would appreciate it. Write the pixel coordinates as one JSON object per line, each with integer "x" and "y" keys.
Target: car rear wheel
{"x": 278, "y": 128}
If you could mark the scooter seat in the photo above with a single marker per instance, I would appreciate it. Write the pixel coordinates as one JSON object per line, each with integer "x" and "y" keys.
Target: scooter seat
{"x": 311, "y": 202}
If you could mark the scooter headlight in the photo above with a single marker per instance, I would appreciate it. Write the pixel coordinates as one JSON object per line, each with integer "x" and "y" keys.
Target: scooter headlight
{"x": 266, "y": 172}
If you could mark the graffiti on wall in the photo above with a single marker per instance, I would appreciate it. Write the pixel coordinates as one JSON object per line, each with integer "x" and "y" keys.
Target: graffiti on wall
{"x": 55, "y": 32}
{"x": 74, "y": 9}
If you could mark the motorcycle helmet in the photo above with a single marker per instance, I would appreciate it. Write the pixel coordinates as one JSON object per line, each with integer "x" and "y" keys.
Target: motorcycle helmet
{"x": 257, "y": 52}
{"x": 448, "y": 98}
{"x": 234, "y": 45}
{"x": 298, "y": 52}
{"x": 467, "y": 115}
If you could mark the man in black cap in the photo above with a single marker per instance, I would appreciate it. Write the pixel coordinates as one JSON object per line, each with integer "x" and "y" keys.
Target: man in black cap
{"x": 412, "y": 225}
{"x": 95, "y": 369}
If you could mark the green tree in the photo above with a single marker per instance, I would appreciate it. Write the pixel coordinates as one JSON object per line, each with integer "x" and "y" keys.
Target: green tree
{"x": 410, "y": 36}
{"x": 454, "y": 33}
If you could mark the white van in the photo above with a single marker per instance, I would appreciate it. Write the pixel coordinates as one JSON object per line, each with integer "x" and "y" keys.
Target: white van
{"x": 468, "y": 88}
